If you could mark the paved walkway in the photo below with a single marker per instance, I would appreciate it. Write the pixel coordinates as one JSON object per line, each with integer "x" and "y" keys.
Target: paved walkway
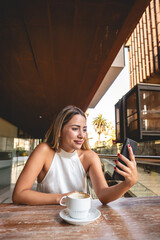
{"x": 148, "y": 182}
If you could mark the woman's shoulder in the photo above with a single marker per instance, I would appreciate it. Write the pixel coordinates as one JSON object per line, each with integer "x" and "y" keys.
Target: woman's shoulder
{"x": 88, "y": 154}
{"x": 44, "y": 148}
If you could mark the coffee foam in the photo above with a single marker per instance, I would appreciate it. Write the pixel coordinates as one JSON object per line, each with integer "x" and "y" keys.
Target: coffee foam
{"x": 79, "y": 195}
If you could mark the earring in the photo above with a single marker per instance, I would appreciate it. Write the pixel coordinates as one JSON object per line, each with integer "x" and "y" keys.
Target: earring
{"x": 59, "y": 140}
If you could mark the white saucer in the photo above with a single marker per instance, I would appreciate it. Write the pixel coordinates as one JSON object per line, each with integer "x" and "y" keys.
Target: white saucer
{"x": 92, "y": 216}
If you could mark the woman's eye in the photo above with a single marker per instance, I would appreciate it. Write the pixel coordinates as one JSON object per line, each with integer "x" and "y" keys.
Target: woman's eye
{"x": 74, "y": 129}
{"x": 85, "y": 130}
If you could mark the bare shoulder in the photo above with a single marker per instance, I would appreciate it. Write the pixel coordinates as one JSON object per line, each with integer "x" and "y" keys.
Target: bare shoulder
{"x": 43, "y": 149}
{"x": 90, "y": 156}
{"x": 90, "y": 153}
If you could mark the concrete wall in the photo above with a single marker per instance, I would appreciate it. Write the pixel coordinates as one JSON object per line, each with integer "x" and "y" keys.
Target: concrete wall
{"x": 7, "y": 134}
{"x": 7, "y": 129}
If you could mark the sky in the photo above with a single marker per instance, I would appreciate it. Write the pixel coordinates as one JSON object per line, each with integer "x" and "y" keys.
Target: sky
{"x": 106, "y": 106}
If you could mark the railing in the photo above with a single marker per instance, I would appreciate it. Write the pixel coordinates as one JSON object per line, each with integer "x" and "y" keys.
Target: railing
{"x": 152, "y": 160}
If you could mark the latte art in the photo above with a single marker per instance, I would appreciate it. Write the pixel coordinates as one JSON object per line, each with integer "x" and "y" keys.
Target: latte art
{"x": 79, "y": 195}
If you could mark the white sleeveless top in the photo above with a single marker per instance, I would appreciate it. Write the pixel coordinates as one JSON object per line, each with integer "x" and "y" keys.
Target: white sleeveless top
{"x": 66, "y": 174}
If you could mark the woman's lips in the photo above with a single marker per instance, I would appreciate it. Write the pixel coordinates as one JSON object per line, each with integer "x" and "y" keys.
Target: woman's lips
{"x": 78, "y": 142}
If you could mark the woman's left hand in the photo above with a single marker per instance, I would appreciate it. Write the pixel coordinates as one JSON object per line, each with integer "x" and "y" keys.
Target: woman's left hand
{"x": 130, "y": 170}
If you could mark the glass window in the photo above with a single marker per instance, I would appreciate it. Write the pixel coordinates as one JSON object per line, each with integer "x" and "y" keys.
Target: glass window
{"x": 150, "y": 110}
{"x": 117, "y": 123}
{"x": 132, "y": 117}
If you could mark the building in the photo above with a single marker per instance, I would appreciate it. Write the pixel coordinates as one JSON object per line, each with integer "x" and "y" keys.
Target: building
{"x": 144, "y": 47}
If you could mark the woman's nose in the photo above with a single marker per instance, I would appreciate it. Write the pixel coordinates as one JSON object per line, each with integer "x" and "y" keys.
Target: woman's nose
{"x": 80, "y": 134}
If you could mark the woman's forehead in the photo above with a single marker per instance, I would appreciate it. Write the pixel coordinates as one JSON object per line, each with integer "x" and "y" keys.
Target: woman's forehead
{"x": 77, "y": 119}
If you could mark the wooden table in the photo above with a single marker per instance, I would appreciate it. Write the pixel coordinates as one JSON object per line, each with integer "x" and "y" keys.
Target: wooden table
{"x": 125, "y": 218}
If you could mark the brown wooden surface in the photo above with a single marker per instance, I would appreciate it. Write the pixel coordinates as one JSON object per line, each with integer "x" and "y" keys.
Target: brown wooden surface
{"x": 125, "y": 218}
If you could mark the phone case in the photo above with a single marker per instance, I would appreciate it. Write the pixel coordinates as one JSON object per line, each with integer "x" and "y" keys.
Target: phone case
{"x": 124, "y": 151}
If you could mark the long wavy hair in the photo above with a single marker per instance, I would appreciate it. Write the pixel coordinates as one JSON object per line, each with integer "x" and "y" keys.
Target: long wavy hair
{"x": 53, "y": 134}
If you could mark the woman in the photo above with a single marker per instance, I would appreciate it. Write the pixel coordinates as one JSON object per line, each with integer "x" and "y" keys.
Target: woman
{"x": 61, "y": 163}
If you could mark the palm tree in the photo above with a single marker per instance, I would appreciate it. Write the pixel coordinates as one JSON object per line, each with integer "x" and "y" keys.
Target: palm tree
{"x": 100, "y": 125}
{"x": 110, "y": 134}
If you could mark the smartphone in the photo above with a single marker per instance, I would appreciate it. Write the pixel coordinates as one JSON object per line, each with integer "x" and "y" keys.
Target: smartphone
{"x": 124, "y": 152}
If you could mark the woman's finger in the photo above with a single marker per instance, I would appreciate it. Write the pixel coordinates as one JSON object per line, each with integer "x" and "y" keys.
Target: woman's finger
{"x": 123, "y": 158}
{"x": 121, "y": 165}
{"x": 131, "y": 154}
{"x": 121, "y": 172}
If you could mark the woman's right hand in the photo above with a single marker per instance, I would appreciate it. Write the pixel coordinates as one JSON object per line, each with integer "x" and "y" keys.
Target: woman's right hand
{"x": 130, "y": 170}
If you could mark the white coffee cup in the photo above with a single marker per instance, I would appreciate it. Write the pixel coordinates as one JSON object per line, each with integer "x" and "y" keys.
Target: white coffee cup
{"x": 78, "y": 204}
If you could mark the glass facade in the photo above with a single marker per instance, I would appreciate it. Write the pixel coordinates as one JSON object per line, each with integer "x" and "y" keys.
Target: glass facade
{"x": 138, "y": 115}
{"x": 131, "y": 113}
{"x": 150, "y": 110}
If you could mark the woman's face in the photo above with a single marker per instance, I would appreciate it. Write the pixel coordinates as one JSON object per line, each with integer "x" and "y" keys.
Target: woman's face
{"x": 73, "y": 133}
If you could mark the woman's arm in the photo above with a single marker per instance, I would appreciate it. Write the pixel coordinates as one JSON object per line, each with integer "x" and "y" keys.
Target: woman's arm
{"x": 22, "y": 193}
{"x": 107, "y": 194}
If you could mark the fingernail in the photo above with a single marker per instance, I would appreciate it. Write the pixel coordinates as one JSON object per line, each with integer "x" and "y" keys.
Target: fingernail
{"x": 118, "y": 154}
{"x": 114, "y": 168}
{"x": 129, "y": 145}
{"x": 115, "y": 161}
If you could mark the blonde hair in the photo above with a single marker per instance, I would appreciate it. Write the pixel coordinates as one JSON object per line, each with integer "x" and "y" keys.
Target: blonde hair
{"x": 53, "y": 134}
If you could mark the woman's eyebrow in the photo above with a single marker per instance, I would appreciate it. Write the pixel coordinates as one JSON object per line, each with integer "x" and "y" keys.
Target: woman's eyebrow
{"x": 76, "y": 125}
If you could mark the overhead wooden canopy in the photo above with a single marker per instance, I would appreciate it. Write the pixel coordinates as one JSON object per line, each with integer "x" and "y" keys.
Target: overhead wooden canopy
{"x": 57, "y": 52}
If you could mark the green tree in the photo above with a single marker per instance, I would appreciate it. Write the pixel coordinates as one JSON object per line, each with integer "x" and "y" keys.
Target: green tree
{"x": 100, "y": 125}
